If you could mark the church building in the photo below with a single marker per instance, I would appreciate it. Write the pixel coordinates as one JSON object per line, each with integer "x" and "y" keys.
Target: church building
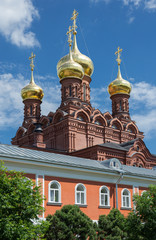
{"x": 78, "y": 154}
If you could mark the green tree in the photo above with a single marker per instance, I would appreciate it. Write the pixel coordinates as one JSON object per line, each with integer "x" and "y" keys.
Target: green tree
{"x": 141, "y": 223}
{"x": 20, "y": 205}
{"x": 70, "y": 223}
{"x": 112, "y": 226}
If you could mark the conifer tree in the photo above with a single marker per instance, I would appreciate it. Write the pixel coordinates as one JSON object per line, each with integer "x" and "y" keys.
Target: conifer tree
{"x": 70, "y": 223}
{"x": 112, "y": 226}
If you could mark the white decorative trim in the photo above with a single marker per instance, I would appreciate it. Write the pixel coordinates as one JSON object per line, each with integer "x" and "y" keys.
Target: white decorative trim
{"x": 129, "y": 195}
{"x": 43, "y": 196}
{"x": 36, "y": 179}
{"x": 143, "y": 192}
{"x": 108, "y": 195}
{"x": 59, "y": 191}
{"x": 78, "y": 173}
{"x": 85, "y": 194}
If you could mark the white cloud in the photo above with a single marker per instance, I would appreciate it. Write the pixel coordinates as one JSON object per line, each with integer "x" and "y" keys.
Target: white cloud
{"x": 10, "y": 100}
{"x": 146, "y": 122}
{"x": 11, "y": 110}
{"x": 134, "y": 2}
{"x": 151, "y": 4}
{"x": 100, "y": 99}
{"x": 144, "y": 93}
{"x": 131, "y": 79}
{"x": 143, "y": 101}
{"x": 131, "y": 19}
{"x": 147, "y": 4}
{"x": 46, "y": 77}
{"x": 96, "y": 1}
{"x": 143, "y": 106}
{"x": 15, "y": 21}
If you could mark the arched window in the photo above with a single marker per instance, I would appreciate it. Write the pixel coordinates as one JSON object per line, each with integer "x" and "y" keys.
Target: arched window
{"x": 130, "y": 130}
{"x": 64, "y": 92}
{"x": 120, "y": 108}
{"x": 115, "y": 126}
{"x": 98, "y": 122}
{"x": 115, "y": 164}
{"x": 104, "y": 196}
{"x": 70, "y": 91}
{"x": 76, "y": 91}
{"x": 126, "y": 198}
{"x": 84, "y": 92}
{"x": 30, "y": 110}
{"x": 36, "y": 110}
{"x": 115, "y": 108}
{"x": 80, "y": 118}
{"x": 54, "y": 192}
{"x": 80, "y": 194}
{"x": 143, "y": 192}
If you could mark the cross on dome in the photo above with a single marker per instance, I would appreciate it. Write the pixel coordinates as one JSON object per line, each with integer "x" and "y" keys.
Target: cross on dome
{"x": 74, "y": 17}
{"x": 69, "y": 35}
{"x": 32, "y": 61}
{"x": 119, "y": 55}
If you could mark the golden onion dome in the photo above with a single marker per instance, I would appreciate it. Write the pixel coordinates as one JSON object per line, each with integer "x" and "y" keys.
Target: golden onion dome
{"x": 67, "y": 67}
{"x": 82, "y": 59}
{"x": 77, "y": 56}
{"x": 32, "y": 91}
{"x": 119, "y": 85}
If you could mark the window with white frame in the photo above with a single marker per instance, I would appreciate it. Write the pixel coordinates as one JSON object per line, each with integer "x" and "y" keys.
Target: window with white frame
{"x": 80, "y": 194}
{"x": 143, "y": 192}
{"x": 104, "y": 196}
{"x": 126, "y": 198}
{"x": 54, "y": 192}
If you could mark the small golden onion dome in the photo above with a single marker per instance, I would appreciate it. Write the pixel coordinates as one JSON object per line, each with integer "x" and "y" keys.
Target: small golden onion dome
{"x": 67, "y": 67}
{"x": 119, "y": 85}
{"x": 32, "y": 91}
{"x": 82, "y": 59}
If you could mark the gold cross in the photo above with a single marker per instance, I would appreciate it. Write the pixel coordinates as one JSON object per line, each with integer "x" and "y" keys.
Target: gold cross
{"x": 32, "y": 61}
{"x": 75, "y": 14}
{"x": 118, "y": 53}
{"x": 69, "y": 35}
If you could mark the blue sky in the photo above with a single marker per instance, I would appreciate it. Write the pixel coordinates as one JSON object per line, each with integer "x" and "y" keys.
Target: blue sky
{"x": 103, "y": 25}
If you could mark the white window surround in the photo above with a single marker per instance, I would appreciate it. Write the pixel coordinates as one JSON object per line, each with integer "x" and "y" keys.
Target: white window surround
{"x": 104, "y": 197}
{"x": 54, "y": 192}
{"x": 80, "y": 194}
{"x": 125, "y": 198}
{"x": 143, "y": 192}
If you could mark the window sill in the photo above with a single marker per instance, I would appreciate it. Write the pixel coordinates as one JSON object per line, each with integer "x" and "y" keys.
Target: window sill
{"x": 126, "y": 208}
{"x": 53, "y": 204}
{"x": 106, "y": 207}
{"x": 81, "y": 205}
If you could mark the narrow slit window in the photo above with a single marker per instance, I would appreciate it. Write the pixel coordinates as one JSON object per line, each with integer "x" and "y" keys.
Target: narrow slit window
{"x": 84, "y": 92}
